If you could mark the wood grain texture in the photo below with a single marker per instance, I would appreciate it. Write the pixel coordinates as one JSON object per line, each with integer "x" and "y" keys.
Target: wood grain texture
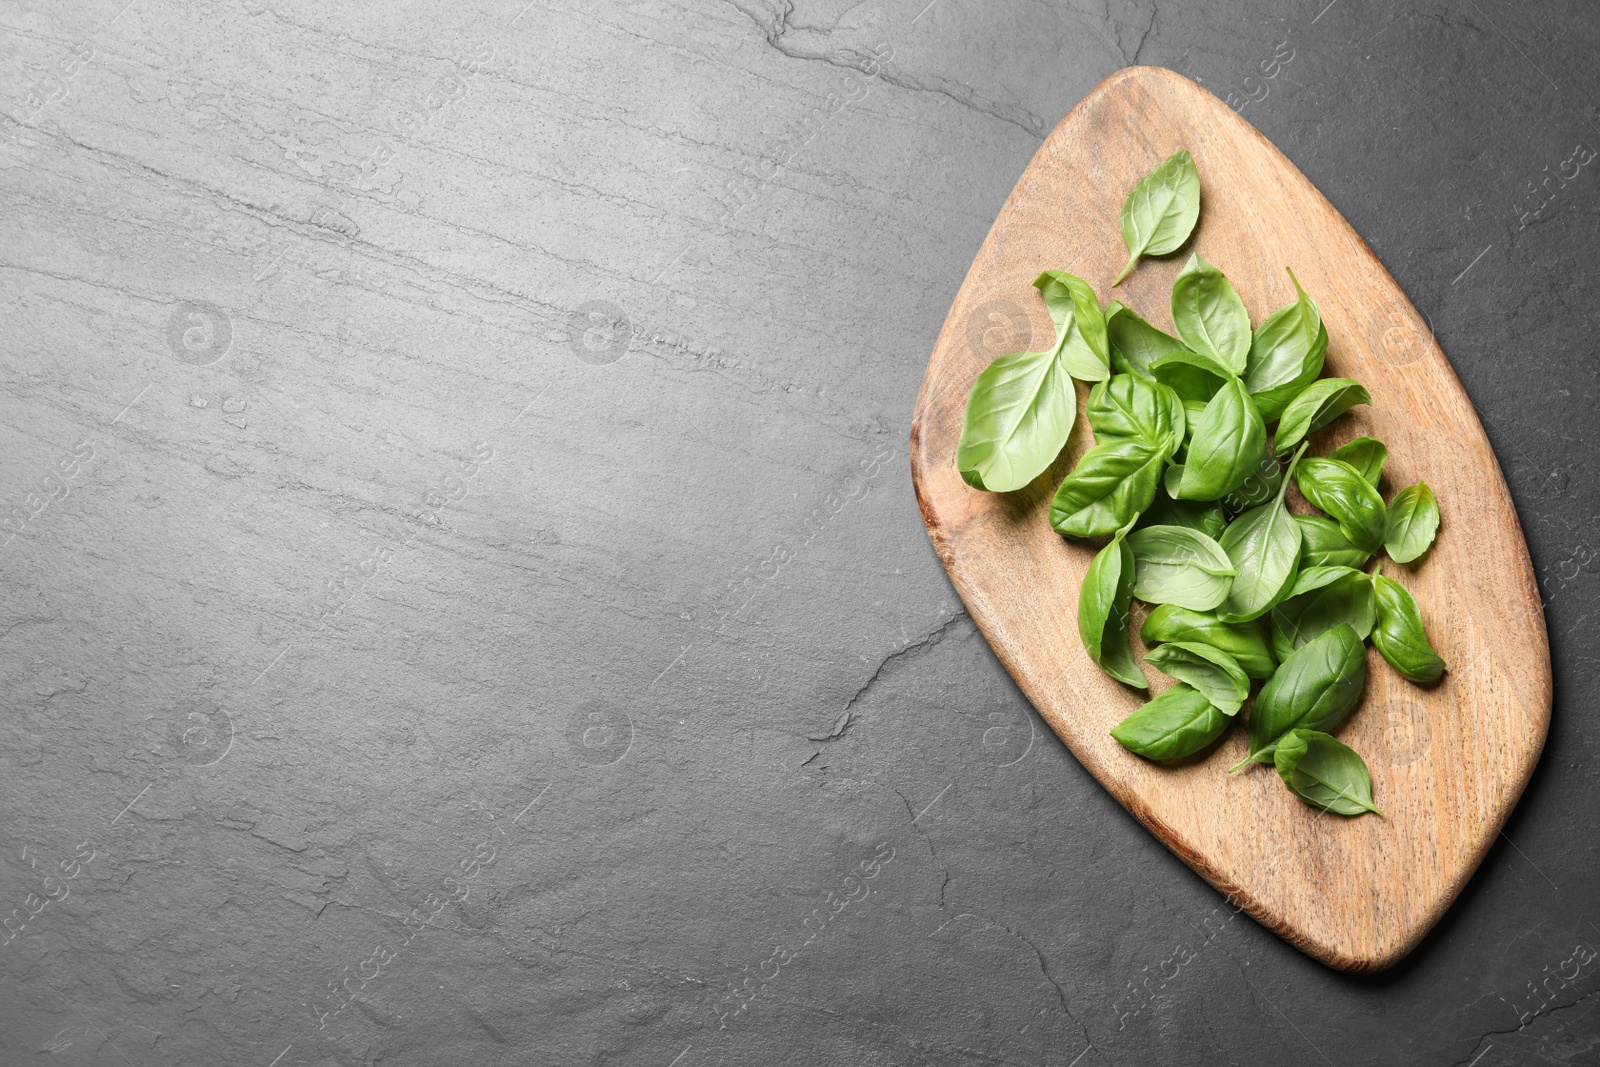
{"x": 1449, "y": 761}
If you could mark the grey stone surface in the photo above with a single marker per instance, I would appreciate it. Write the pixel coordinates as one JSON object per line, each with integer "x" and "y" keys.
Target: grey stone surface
{"x": 469, "y": 604}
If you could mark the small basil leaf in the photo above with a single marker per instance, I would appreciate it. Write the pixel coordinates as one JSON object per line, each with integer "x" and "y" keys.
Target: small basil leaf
{"x": 1229, "y": 443}
{"x": 1135, "y": 344}
{"x": 1246, "y": 642}
{"x": 1264, "y": 545}
{"x": 1172, "y": 479}
{"x": 1399, "y": 636}
{"x": 1203, "y": 515}
{"x": 1108, "y": 489}
{"x": 1075, "y": 310}
{"x": 1317, "y": 405}
{"x": 1325, "y": 773}
{"x": 1286, "y": 354}
{"x": 1322, "y": 545}
{"x": 1209, "y": 316}
{"x": 1365, "y": 454}
{"x": 1178, "y": 723}
{"x": 1161, "y": 210}
{"x": 1018, "y": 416}
{"x": 1103, "y": 613}
{"x": 1349, "y": 499}
{"x": 1261, "y": 486}
{"x": 1177, "y": 565}
{"x": 1316, "y": 688}
{"x": 1125, "y": 407}
{"x": 1194, "y": 377}
{"x": 1212, "y": 672}
{"x": 1322, "y": 598}
{"x": 1413, "y": 521}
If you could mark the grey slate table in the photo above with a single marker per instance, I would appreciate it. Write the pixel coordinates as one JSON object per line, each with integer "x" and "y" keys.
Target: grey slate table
{"x": 463, "y": 600}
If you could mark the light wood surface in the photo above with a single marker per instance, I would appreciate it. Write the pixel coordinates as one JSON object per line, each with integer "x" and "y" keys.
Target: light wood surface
{"x": 1448, "y": 762}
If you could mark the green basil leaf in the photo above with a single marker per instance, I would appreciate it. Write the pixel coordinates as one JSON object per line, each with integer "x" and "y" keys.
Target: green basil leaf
{"x": 1125, "y": 407}
{"x": 1322, "y": 545}
{"x": 1212, "y": 672}
{"x": 1246, "y": 642}
{"x": 1325, "y": 773}
{"x": 1264, "y": 545}
{"x": 1261, "y": 486}
{"x": 1135, "y": 344}
{"x": 1172, "y": 479}
{"x": 1203, "y": 515}
{"x": 1316, "y": 688}
{"x": 1075, "y": 310}
{"x": 1286, "y": 354}
{"x": 1229, "y": 443}
{"x": 1317, "y": 405}
{"x": 1019, "y": 414}
{"x": 1339, "y": 489}
{"x": 1195, "y": 378}
{"x": 1209, "y": 316}
{"x": 1176, "y": 724}
{"x": 1413, "y": 521}
{"x": 1177, "y": 565}
{"x": 1365, "y": 454}
{"x": 1103, "y": 613}
{"x": 1322, "y": 598}
{"x": 1108, "y": 489}
{"x": 1399, "y": 636}
{"x": 1160, "y": 212}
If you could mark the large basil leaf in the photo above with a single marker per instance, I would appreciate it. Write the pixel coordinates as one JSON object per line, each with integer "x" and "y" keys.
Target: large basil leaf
{"x": 1209, "y": 316}
{"x": 1075, "y": 310}
{"x": 1314, "y": 689}
{"x": 1264, "y": 545}
{"x": 1246, "y": 642}
{"x": 1229, "y": 443}
{"x": 1129, "y": 408}
{"x": 1203, "y": 515}
{"x": 1286, "y": 354}
{"x": 1178, "y": 723}
{"x": 1322, "y": 545}
{"x": 1365, "y": 454}
{"x": 1107, "y": 490}
{"x": 1325, "y": 772}
{"x": 1177, "y": 565}
{"x": 1413, "y": 521}
{"x": 1160, "y": 212}
{"x": 1317, "y": 405}
{"x": 1103, "y": 612}
{"x": 1399, "y": 636}
{"x": 1019, "y": 414}
{"x": 1193, "y": 377}
{"x": 1349, "y": 499}
{"x": 1322, "y": 598}
{"x": 1212, "y": 672}
{"x": 1135, "y": 344}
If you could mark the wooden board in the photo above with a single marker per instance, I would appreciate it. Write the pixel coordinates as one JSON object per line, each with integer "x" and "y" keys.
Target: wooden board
{"x": 1448, "y": 762}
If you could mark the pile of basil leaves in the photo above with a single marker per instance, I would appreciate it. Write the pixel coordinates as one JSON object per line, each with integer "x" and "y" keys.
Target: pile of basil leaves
{"x": 1197, "y": 438}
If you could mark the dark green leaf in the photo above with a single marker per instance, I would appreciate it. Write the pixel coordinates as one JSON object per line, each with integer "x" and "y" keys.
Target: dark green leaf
{"x": 1365, "y": 454}
{"x": 1193, "y": 377}
{"x": 1161, "y": 210}
{"x": 1262, "y": 485}
{"x": 1229, "y": 444}
{"x": 1246, "y": 642}
{"x": 1103, "y": 612}
{"x": 1317, "y": 405}
{"x": 1264, "y": 545}
{"x": 1137, "y": 410}
{"x": 1075, "y": 310}
{"x": 1203, "y": 515}
{"x": 1135, "y": 344}
{"x": 1286, "y": 354}
{"x": 1349, "y": 499}
{"x": 1322, "y": 598}
{"x": 1325, "y": 773}
{"x": 1108, "y": 489}
{"x": 1399, "y": 636}
{"x": 1178, "y": 723}
{"x": 1322, "y": 545}
{"x": 1212, "y": 672}
{"x": 1209, "y": 316}
{"x": 1314, "y": 689}
{"x": 1413, "y": 521}
{"x": 1177, "y": 565}
{"x": 1019, "y": 414}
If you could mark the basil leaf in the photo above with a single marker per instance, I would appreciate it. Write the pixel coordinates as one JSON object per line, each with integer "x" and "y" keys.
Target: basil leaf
{"x": 1325, "y": 773}
{"x": 1128, "y": 408}
{"x": 1365, "y": 454}
{"x": 1177, "y": 565}
{"x": 1209, "y": 316}
{"x": 1135, "y": 344}
{"x": 1103, "y": 613}
{"x": 1075, "y": 310}
{"x": 1314, "y": 689}
{"x": 1160, "y": 212}
{"x": 1261, "y": 486}
{"x": 1230, "y": 441}
{"x": 1108, "y": 489}
{"x": 1349, "y": 499}
{"x": 1203, "y": 515}
{"x": 1019, "y": 414}
{"x": 1317, "y": 405}
{"x": 1192, "y": 376}
{"x": 1322, "y": 545}
{"x": 1212, "y": 672}
{"x": 1172, "y": 479}
{"x": 1246, "y": 642}
{"x": 1399, "y": 636}
{"x": 1413, "y": 521}
{"x": 1322, "y": 598}
{"x": 1178, "y": 723}
{"x": 1286, "y": 354}
{"x": 1264, "y": 545}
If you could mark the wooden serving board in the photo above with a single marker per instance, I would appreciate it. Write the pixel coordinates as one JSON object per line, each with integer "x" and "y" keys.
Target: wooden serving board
{"x": 1448, "y": 762}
